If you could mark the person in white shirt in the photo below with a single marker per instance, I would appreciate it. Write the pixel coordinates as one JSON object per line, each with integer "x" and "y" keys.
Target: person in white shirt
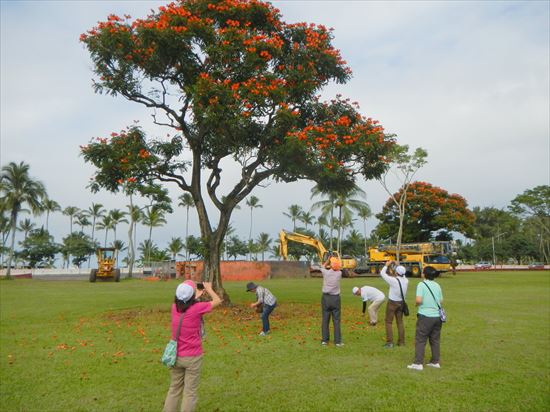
{"x": 373, "y": 295}
{"x": 394, "y": 308}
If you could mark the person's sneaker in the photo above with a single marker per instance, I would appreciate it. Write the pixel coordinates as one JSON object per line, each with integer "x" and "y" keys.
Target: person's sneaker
{"x": 323, "y": 343}
{"x": 373, "y": 323}
{"x": 388, "y": 345}
{"x": 415, "y": 366}
{"x": 434, "y": 365}
{"x": 262, "y": 333}
{"x": 339, "y": 345}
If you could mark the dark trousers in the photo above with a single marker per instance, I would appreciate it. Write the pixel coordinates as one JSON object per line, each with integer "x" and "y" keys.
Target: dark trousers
{"x": 265, "y": 316}
{"x": 330, "y": 307}
{"x": 427, "y": 328}
{"x": 393, "y": 309}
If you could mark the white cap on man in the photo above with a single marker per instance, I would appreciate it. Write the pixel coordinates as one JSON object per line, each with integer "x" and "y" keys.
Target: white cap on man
{"x": 400, "y": 270}
{"x": 355, "y": 290}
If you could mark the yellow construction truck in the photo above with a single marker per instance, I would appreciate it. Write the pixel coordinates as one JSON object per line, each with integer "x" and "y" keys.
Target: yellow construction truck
{"x": 106, "y": 261}
{"x": 348, "y": 262}
{"x": 414, "y": 256}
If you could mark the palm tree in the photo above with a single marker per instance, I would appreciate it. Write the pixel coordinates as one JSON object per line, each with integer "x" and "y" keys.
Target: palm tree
{"x": 294, "y": 213}
{"x": 117, "y": 216}
{"x": 26, "y": 226}
{"x": 253, "y": 202}
{"x": 153, "y": 217}
{"x": 345, "y": 205}
{"x": 17, "y": 189}
{"x": 81, "y": 220}
{"x": 118, "y": 245}
{"x": 95, "y": 211}
{"x": 71, "y": 211}
{"x": 175, "y": 246}
{"x": 327, "y": 208}
{"x": 50, "y": 206}
{"x": 135, "y": 214}
{"x": 106, "y": 224}
{"x": 321, "y": 223}
{"x": 365, "y": 213}
{"x": 186, "y": 201}
{"x": 263, "y": 244}
{"x": 306, "y": 218}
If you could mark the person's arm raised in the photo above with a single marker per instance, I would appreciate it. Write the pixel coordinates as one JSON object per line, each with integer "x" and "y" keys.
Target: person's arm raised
{"x": 216, "y": 301}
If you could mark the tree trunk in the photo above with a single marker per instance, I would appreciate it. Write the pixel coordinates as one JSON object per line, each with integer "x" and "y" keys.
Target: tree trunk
{"x": 12, "y": 244}
{"x": 131, "y": 253}
{"x": 212, "y": 271}
{"x": 400, "y": 232}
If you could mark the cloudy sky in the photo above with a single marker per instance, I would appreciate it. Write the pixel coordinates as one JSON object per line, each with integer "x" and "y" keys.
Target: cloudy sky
{"x": 467, "y": 81}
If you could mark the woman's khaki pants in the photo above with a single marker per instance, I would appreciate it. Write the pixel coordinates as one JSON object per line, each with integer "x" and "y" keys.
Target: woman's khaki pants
{"x": 185, "y": 378}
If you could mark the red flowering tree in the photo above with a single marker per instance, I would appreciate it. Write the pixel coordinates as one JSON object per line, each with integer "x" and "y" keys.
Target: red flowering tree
{"x": 429, "y": 209}
{"x": 232, "y": 81}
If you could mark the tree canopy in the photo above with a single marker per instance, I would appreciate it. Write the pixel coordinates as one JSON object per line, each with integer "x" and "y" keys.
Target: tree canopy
{"x": 429, "y": 209}
{"x": 231, "y": 80}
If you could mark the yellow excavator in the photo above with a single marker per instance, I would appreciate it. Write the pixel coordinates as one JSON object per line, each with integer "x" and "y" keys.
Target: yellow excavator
{"x": 348, "y": 263}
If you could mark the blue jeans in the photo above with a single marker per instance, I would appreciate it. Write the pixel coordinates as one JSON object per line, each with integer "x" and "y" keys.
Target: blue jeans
{"x": 265, "y": 316}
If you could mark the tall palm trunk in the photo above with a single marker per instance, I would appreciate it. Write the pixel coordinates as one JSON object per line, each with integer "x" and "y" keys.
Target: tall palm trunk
{"x": 12, "y": 243}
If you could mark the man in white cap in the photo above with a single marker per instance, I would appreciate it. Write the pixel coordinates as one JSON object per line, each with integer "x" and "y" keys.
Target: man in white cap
{"x": 373, "y": 295}
{"x": 398, "y": 284}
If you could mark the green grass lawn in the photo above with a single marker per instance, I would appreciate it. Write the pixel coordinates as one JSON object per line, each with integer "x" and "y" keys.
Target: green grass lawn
{"x": 78, "y": 346}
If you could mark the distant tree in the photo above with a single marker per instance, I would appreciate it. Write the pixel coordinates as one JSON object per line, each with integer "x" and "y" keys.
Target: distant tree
{"x": 430, "y": 209}
{"x": 71, "y": 211}
{"x": 326, "y": 207}
{"x": 79, "y": 246}
{"x": 106, "y": 224}
{"x": 175, "y": 246}
{"x": 18, "y": 189}
{"x": 186, "y": 201}
{"x": 81, "y": 219}
{"x": 237, "y": 85}
{"x": 50, "y": 206}
{"x": 154, "y": 217}
{"x": 306, "y": 218}
{"x": 263, "y": 242}
{"x": 364, "y": 213}
{"x": 236, "y": 247}
{"x": 404, "y": 167}
{"x": 353, "y": 244}
{"x": 321, "y": 222}
{"x": 294, "y": 213}
{"x": 117, "y": 217}
{"x": 253, "y": 203}
{"x": 118, "y": 245}
{"x": 535, "y": 205}
{"x": 346, "y": 204}
{"x": 39, "y": 248}
{"x": 196, "y": 246}
{"x": 147, "y": 249}
{"x": 26, "y": 226}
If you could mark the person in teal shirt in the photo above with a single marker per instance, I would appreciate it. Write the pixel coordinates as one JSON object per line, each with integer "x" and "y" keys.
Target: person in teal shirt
{"x": 428, "y": 323}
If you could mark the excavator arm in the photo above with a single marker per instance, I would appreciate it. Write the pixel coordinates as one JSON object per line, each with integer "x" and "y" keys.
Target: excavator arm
{"x": 284, "y": 237}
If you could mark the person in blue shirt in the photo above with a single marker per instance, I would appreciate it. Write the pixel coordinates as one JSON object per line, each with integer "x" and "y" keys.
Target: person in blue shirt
{"x": 428, "y": 324}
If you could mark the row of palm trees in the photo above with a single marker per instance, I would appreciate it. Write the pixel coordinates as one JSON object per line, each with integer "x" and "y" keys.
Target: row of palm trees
{"x": 22, "y": 194}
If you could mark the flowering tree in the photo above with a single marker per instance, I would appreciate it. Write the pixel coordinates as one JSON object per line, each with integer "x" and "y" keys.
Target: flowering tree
{"x": 232, "y": 81}
{"x": 429, "y": 209}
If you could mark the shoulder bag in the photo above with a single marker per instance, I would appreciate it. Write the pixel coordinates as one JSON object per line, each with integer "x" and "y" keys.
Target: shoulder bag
{"x": 170, "y": 354}
{"x": 404, "y": 306}
{"x": 442, "y": 314}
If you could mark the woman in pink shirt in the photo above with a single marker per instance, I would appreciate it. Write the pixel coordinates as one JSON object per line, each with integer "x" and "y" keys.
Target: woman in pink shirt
{"x": 186, "y": 372}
